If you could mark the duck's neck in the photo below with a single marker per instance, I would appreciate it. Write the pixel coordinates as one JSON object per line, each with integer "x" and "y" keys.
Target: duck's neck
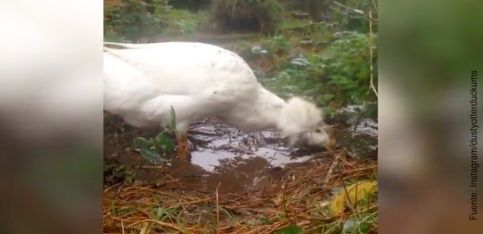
{"x": 261, "y": 113}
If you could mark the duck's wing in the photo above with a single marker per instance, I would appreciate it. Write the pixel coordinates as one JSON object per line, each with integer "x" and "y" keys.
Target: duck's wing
{"x": 175, "y": 68}
{"x": 131, "y": 94}
{"x": 183, "y": 67}
{"x": 125, "y": 87}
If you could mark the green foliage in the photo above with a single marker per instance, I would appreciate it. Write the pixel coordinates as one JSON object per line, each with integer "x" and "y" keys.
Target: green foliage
{"x": 277, "y": 44}
{"x": 183, "y": 24}
{"x": 149, "y": 21}
{"x": 270, "y": 48}
{"x": 150, "y": 148}
{"x": 169, "y": 214}
{"x": 192, "y": 5}
{"x": 347, "y": 64}
{"x": 290, "y": 229}
{"x": 264, "y": 220}
{"x": 114, "y": 173}
{"x": 339, "y": 76}
{"x": 354, "y": 14}
{"x": 364, "y": 224}
{"x": 163, "y": 142}
{"x": 364, "y": 220}
{"x": 132, "y": 20}
{"x": 262, "y": 15}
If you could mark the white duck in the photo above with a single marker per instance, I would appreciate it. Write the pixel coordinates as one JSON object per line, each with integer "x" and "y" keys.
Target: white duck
{"x": 143, "y": 81}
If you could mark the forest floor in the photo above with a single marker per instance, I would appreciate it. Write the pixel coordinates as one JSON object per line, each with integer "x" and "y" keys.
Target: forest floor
{"x": 235, "y": 183}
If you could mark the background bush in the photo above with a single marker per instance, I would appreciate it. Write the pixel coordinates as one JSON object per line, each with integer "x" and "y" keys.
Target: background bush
{"x": 149, "y": 21}
{"x": 134, "y": 20}
{"x": 338, "y": 76}
{"x": 250, "y": 15}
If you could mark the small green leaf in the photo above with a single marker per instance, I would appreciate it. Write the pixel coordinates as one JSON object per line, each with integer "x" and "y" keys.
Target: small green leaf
{"x": 164, "y": 142}
{"x": 364, "y": 226}
{"x": 290, "y": 229}
{"x": 151, "y": 155}
{"x": 141, "y": 143}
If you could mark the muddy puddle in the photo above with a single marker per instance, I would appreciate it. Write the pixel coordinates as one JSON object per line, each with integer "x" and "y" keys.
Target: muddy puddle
{"x": 238, "y": 161}
{"x": 222, "y": 145}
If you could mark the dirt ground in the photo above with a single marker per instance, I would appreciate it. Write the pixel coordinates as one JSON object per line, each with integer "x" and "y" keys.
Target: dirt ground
{"x": 236, "y": 182}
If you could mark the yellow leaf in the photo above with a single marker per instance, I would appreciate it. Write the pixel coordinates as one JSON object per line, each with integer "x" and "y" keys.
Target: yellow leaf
{"x": 354, "y": 194}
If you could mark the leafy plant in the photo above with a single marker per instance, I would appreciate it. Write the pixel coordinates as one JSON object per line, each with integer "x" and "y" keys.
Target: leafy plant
{"x": 290, "y": 229}
{"x": 336, "y": 77}
{"x": 277, "y": 44}
{"x": 183, "y": 24}
{"x": 262, "y": 15}
{"x": 354, "y": 14}
{"x": 150, "y": 148}
{"x": 192, "y": 5}
{"x": 114, "y": 173}
{"x": 148, "y": 21}
{"x": 347, "y": 63}
{"x": 163, "y": 143}
{"x": 364, "y": 224}
{"x": 134, "y": 20}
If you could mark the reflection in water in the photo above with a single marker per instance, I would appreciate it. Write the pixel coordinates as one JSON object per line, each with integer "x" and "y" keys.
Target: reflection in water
{"x": 232, "y": 146}
{"x": 240, "y": 161}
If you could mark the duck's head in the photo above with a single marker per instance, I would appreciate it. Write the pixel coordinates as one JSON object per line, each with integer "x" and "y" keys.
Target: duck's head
{"x": 322, "y": 136}
{"x": 301, "y": 122}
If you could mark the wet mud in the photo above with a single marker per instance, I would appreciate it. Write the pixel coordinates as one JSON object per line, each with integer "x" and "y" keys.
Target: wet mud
{"x": 234, "y": 161}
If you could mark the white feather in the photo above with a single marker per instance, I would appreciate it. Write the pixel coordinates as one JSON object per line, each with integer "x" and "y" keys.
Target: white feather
{"x": 298, "y": 116}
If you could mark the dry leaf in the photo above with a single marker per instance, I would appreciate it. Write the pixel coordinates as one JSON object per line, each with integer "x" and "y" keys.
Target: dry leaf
{"x": 355, "y": 193}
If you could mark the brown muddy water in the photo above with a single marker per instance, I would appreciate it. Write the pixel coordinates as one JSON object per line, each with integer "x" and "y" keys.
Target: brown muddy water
{"x": 236, "y": 161}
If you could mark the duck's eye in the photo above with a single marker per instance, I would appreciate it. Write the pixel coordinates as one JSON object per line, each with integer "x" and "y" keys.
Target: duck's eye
{"x": 318, "y": 131}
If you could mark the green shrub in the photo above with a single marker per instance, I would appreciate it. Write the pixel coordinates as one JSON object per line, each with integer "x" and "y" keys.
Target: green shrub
{"x": 149, "y": 21}
{"x": 151, "y": 148}
{"x": 192, "y": 5}
{"x": 134, "y": 20}
{"x": 347, "y": 64}
{"x": 354, "y": 15}
{"x": 337, "y": 77}
{"x": 277, "y": 44}
{"x": 180, "y": 24}
{"x": 255, "y": 15}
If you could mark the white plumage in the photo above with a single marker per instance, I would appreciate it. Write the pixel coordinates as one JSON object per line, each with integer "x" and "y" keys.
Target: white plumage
{"x": 143, "y": 81}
